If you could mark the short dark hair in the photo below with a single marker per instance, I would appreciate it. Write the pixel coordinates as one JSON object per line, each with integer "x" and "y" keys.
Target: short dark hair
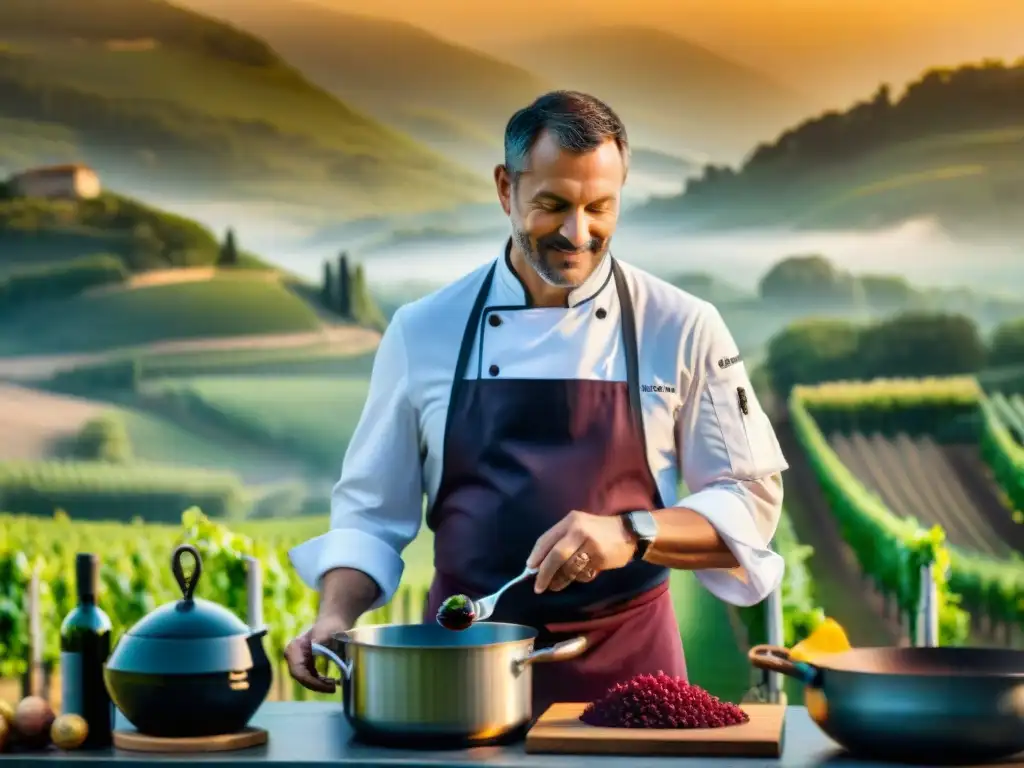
{"x": 578, "y": 121}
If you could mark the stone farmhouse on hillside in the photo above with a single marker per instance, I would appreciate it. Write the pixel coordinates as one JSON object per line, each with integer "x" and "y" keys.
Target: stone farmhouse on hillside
{"x": 74, "y": 181}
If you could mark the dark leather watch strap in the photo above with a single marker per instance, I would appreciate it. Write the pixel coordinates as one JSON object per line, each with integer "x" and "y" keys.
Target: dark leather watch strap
{"x": 642, "y": 545}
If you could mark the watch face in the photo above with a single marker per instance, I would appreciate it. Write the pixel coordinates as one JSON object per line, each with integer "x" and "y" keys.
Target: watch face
{"x": 643, "y": 524}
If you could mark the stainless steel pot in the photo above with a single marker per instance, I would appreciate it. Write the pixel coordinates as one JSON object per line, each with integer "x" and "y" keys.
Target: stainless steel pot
{"x": 424, "y": 684}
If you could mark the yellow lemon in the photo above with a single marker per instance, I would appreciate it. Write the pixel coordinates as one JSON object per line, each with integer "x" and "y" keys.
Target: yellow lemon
{"x": 817, "y": 704}
{"x": 828, "y": 638}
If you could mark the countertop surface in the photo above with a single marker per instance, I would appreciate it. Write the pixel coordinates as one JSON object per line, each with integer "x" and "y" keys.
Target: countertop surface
{"x": 316, "y": 734}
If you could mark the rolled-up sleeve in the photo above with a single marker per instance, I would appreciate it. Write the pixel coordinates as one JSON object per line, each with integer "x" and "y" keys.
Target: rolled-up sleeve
{"x": 377, "y": 504}
{"x": 731, "y": 463}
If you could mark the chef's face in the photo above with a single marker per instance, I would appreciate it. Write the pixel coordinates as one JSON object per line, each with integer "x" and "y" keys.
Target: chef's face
{"x": 564, "y": 208}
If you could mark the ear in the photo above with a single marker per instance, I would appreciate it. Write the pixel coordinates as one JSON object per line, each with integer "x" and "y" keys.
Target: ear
{"x": 503, "y": 183}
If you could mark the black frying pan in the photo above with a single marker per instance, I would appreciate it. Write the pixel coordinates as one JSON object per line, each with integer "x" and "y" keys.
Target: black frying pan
{"x": 920, "y": 705}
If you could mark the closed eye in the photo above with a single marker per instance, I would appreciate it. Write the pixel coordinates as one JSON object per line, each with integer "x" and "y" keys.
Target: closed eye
{"x": 552, "y": 207}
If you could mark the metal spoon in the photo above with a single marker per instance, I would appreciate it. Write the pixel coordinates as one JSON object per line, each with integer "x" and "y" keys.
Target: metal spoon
{"x": 484, "y": 607}
{"x": 480, "y": 610}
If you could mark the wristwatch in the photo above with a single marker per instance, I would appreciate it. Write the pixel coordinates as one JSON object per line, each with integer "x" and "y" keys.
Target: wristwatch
{"x": 643, "y": 526}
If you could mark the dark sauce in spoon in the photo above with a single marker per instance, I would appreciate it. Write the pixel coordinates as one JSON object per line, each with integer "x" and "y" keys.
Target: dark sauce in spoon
{"x": 456, "y": 613}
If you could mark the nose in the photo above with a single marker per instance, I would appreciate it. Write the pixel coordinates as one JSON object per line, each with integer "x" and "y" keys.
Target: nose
{"x": 576, "y": 229}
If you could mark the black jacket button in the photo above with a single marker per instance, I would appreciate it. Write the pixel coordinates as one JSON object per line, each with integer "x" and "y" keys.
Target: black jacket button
{"x": 494, "y": 320}
{"x": 602, "y": 313}
{"x": 493, "y": 370}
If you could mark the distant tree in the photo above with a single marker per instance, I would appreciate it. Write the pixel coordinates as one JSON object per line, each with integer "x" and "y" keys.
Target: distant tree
{"x": 365, "y": 310}
{"x": 910, "y": 345}
{"x": 810, "y": 278}
{"x": 327, "y": 289}
{"x": 709, "y": 287}
{"x": 104, "y": 439}
{"x": 344, "y": 286}
{"x": 887, "y": 292}
{"x": 883, "y": 97}
{"x": 1007, "y": 347}
{"x": 228, "y": 250}
{"x": 811, "y": 352}
{"x": 916, "y": 344}
{"x": 699, "y": 284}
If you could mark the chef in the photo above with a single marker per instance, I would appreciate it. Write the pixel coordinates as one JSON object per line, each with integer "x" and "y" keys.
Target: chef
{"x": 550, "y": 405}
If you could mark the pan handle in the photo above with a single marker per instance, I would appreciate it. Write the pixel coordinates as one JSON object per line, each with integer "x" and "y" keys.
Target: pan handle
{"x": 327, "y": 653}
{"x": 563, "y": 651}
{"x": 773, "y": 658}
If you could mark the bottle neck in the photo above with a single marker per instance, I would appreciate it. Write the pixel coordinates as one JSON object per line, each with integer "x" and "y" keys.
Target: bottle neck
{"x": 87, "y": 575}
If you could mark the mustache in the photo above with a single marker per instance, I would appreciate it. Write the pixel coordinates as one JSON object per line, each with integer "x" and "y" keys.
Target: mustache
{"x": 562, "y": 245}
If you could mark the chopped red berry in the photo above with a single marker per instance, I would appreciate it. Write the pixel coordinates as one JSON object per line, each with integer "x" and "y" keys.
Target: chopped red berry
{"x": 661, "y": 701}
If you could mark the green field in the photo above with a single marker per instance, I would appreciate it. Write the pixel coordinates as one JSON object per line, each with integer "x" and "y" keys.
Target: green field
{"x": 318, "y": 359}
{"x": 312, "y": 417}
{"x": 224, "y": 306}
{"x": 229, "y": 113}
{"x": 165, "y": 441}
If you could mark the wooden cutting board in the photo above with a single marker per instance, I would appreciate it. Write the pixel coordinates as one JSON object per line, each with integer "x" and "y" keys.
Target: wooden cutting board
{"x": 559, "y": 730}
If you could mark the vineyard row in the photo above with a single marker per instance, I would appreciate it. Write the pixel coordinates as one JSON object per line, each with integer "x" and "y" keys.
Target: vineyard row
{"x": 891, "y": 548}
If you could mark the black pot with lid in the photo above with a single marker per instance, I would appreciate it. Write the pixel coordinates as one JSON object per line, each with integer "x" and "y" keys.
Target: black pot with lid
{"x": 190, "y": 667}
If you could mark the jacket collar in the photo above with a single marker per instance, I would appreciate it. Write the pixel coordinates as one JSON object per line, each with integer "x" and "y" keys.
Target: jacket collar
{"x": 511, "y": 289}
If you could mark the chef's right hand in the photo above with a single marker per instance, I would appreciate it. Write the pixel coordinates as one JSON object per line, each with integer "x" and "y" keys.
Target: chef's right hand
{"x": 299, "y": 653}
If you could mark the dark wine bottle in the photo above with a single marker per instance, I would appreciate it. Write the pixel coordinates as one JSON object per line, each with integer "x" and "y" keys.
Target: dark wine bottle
{"x": 84, "y": 649}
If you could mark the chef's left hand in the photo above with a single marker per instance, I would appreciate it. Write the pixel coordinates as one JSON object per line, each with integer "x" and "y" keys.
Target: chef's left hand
{"x": 578, "y": 548}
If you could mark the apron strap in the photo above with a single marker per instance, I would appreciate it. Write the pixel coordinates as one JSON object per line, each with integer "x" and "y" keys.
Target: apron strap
{"x": 629, "y": 341}
{"x": 466, "y": 349}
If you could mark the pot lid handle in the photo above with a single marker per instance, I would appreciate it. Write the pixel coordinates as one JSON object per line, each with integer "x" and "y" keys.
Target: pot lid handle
{"x": 187, "y": 585}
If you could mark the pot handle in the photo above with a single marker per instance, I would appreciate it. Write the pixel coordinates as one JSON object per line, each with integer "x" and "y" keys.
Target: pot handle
{"x": 563, "y": 651}
{"x": 187, "y": 585}
{"x": 327, "y": 653}
{"x": 773, "y": 658}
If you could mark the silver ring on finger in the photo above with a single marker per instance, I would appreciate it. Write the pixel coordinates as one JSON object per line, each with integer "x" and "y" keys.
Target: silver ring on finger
{"x": 580, "y": 561}
{"x": 577, "y": 564}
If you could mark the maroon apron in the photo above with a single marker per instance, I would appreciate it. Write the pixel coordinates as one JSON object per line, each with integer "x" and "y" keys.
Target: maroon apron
{"x": 519, "y": 454}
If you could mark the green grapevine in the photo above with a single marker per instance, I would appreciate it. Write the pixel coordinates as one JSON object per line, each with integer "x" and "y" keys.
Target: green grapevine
{"x": 135, "y": 576}
{"x": 892, "y": 549}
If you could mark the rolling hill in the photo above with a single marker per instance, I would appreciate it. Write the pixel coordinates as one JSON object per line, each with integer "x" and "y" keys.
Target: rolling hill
{"x": 46, "y": 233}
{"x": 950, "y": 148}
{"x": 105, "y": 319}
{"x": 152, "y": 94}
{"x": 452, "y": 98}
{"x": 673, "y": 95}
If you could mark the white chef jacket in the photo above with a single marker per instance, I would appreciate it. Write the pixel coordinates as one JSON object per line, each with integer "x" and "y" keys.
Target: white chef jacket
{"x": 691, "y": 374}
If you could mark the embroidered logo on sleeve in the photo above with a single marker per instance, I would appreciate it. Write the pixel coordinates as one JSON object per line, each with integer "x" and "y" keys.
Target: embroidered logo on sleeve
{"x": 727, "y": 362}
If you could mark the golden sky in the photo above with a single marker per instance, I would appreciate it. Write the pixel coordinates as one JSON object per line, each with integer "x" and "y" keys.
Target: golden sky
{"x": 872, "y": 39}
{"x": 744, "y": 20}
